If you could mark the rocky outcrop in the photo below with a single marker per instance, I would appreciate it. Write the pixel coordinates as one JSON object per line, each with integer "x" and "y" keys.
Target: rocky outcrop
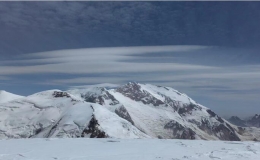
{"x": 122, "y": 112}
{"x": 133, "y": 91}
{"x": 179, "y": 131}
{"x": 93, "y": 130}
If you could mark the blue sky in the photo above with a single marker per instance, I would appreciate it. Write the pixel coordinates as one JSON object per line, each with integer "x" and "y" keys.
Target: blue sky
{"x": 208, "y": 50}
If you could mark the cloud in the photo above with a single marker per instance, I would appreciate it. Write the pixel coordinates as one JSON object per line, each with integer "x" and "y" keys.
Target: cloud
{"x": 4, "y": 78}
{"x": 119, "y": 65}
{"x": 96, "y": 60}
{"x": 57, "y": 25}
{"x": 78, "y": 68}
{"x": 106, "y": 85}
{"x": 221, "y": 73}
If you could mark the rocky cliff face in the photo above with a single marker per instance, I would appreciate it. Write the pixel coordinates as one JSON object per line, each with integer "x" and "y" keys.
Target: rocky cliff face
{"x": 133, "y": 110}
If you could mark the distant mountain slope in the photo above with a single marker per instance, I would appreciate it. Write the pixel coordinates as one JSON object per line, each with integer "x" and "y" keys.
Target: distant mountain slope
{"x": 6, "y": 96}
{"x": 254, "y": 121}
{"x": 237, "y": 121}
{"x": 251, "y": 122}
{"x": 133, "y": 110}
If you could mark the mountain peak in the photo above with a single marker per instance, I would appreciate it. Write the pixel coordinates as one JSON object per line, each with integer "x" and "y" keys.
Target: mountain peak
{"x": 252, "y": 122}
{"x": 133, "y": 110}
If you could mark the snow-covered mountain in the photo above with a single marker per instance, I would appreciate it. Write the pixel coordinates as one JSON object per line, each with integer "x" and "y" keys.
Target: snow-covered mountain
{"x": 55, "y": 113}
{"x": 6, "y": 96}
{"x": 133, "y": 110}
{"x": 253, "y": 121}
{"x": 237, "y": 121}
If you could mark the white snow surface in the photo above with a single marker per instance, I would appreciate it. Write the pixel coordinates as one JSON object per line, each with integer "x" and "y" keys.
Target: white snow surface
{"x": 104, "y": 85}
{"x": 55, "y": 113}
{"x": 6, "y": 96}
{"x": 123, "y": 149}
{"x": 174, "y": 94}
{"x": 115, "y": 126}
{"x": 42, "y": 115}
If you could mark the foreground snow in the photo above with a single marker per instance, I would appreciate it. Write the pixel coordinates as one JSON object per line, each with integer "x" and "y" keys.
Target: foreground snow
{"x": 134, "y": 149}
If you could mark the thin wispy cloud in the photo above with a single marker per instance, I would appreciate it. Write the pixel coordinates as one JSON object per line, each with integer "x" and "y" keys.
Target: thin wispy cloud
{"x": 4, "y": 78}
{"x": 97, "y": 60}
{"x": 200, "y": 48}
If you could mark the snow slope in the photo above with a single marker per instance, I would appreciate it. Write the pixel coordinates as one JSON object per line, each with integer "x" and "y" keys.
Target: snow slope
{"x": 55, "y": 113}
{"x": 163, "y": 112}
{"x": 132, "y": 110}
{"x": 6, "y": 96}
{"x": 122, "y": 149}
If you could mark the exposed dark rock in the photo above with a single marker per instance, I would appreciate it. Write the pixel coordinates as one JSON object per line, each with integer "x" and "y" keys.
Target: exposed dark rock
{"x": 172, "y": 103}
{"x": 95, "y": 99}
{"x": 180, "y": 131}
{"x": 53, "y": 128}
{"x": 57, "y": 94}
{"x": 93, "y": 131}
{"x": 220, "y": 119}
{"x": 211, "y": 113}
{"x": 38, "y": 130}
{"x": 100, "y": 99}
{"x": 108, "y": 96}
{"x": 134, "y": 92}
{"x": 166, "y": 88}
{"x": 159, "y": 137}
{"x": 186, "y": 109}
{"x": 230, "y": 127}
{"x": 122, "y": 112}
{"x": 206, "y": 126}
{"x": 225, "y": 133}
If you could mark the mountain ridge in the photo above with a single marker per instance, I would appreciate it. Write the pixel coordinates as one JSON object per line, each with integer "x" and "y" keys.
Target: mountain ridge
{"x": 7, "y": 96}
{"x": 253, "y": 121}
{"x": 133, "y": 110}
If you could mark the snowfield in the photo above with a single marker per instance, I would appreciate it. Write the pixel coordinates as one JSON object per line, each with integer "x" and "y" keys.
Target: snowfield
{"x": 126, "y": 149}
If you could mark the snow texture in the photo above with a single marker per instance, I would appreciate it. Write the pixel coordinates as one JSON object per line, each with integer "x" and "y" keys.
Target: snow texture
{"x": 6, "y": 96}
{"x": 123, "y": 149}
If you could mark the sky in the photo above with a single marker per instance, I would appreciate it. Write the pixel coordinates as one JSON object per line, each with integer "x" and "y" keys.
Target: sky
{"x": 208, "y": 50}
